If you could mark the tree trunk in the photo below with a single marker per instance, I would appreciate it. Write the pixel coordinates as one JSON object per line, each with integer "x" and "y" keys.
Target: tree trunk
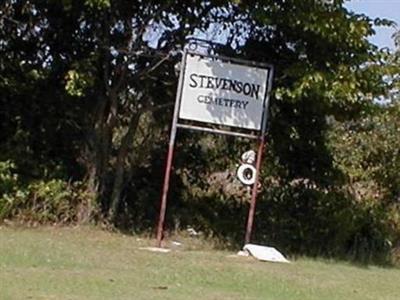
{"x": 98, "y": 149}
{"x": 119, "y": 167}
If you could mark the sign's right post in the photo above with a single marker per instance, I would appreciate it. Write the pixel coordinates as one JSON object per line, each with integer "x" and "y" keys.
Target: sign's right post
{"x": 260, "y": 151}
{"x": 252, "y": 209}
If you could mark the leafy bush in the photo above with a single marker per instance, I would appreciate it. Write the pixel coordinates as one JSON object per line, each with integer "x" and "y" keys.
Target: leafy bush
{"x": 8, "y": 179}
{"x": 311, "y": 221}
{"x": 44, "y": 201}
{"x": 53, "y": 201}
{"x": 8, "y": 186}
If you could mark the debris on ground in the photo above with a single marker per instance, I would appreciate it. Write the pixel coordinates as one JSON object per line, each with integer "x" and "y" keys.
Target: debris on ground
{"x": 263, "y": 253}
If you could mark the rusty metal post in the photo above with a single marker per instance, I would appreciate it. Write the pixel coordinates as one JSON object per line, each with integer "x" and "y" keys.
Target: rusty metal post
{"x": 171, "y": 145}
{"x": 252, "y": 209}
{"x": 161, "y": 219}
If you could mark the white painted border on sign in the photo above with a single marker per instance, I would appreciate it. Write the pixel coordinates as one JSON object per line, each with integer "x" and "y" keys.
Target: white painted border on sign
{"x": 223, "y": 93}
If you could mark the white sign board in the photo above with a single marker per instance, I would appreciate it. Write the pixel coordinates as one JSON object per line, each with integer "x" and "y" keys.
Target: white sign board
{"x": 223, "y": 93}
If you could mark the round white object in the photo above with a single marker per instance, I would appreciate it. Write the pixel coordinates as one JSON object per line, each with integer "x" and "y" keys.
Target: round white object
{"x": 246, "y": 173}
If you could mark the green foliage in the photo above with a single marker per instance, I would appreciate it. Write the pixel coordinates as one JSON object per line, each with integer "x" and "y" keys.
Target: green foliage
{"x": 8, "y": 179}
{"x": 45, "y": 202}
{"x": 99, "y": 4}
{"x": 77, "y": 83}
{"x": 367, "y": 151}
{"x": 8, "y": 186}
{"x": 304, "y": 219}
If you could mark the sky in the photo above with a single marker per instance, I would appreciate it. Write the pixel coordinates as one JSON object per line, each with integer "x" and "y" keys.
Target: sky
{"x": 389, "y": 9}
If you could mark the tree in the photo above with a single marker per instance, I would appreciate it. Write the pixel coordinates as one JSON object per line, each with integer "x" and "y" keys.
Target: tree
{"x": 108, "y": 69}
{"x": 101, "y": 54}
{"x": 36, "y": 115}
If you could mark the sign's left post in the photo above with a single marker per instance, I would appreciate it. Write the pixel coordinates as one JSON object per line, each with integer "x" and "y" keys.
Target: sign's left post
{"x": 170, "y": 155}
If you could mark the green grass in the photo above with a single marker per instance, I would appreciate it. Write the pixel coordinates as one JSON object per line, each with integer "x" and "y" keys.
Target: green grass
{"x": 86, "y": 263}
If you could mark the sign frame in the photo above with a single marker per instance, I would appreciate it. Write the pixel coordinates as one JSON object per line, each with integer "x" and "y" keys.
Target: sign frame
{"x": 242, "y": 132}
